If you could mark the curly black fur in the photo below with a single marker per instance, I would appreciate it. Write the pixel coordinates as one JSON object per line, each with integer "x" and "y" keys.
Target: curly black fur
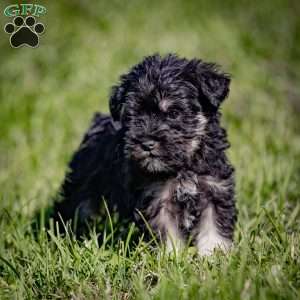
{"x": 161, "y": 153}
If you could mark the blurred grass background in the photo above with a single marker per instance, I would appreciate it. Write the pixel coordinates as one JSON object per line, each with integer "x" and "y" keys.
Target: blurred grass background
{"x": 47, "y": 98}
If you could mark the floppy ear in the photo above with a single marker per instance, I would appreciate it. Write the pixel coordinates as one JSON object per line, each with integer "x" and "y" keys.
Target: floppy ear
{"x": 117, "y": 100}
{"x": 212, "y": 84}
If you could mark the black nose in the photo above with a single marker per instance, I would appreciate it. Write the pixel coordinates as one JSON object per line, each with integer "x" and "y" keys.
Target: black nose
{"x": 148, "y": 146}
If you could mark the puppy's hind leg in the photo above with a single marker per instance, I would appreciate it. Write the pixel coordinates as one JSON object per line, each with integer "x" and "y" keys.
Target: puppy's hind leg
{"x": 82, "y": 189}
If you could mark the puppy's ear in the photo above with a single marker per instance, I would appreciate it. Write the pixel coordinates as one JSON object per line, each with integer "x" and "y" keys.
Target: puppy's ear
{"x": 117, "y": 100}
{"x": 213, "y": 85}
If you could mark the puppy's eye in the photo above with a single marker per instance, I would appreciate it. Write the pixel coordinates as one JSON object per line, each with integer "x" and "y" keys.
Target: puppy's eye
{"x": 173, "y": 114}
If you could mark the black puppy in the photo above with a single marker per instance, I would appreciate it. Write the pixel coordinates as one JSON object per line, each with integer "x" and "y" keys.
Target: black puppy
{"x": 161, "y": 155}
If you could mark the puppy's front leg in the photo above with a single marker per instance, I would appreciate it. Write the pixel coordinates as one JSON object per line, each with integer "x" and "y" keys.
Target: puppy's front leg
{"x": 170, "y": 230}
{"x": 163, "y": 217}
{"x": 207, "y": 235}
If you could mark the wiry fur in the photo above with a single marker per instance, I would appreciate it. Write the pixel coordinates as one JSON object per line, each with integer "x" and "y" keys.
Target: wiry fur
{"x": 161, "y": 154}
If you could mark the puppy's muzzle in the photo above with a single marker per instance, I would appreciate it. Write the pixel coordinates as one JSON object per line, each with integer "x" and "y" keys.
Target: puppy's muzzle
{"x": 149, "y": 145}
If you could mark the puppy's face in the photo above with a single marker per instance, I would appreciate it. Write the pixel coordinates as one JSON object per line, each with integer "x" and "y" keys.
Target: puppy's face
{"x": 164, "y": 125}
{"x": 164, "y": 105}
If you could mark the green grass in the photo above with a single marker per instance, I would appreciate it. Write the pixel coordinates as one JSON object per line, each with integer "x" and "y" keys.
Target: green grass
{"x": 47, "y": 98}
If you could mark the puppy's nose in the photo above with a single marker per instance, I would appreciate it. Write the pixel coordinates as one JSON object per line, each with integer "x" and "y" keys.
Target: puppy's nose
{"x": 148, "y": 146}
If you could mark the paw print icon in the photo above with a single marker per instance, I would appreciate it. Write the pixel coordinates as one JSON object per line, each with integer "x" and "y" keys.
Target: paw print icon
{"x": 24, "y": 32}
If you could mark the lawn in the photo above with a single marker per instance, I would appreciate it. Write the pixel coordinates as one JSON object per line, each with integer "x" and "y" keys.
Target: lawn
{"x": 47, "y": 98}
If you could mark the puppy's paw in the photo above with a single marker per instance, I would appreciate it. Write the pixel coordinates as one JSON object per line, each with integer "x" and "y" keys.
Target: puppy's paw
{"x": 206, "y": 246}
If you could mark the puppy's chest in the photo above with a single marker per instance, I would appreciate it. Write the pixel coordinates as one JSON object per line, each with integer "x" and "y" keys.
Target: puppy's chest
{"x": 181, "y": 199}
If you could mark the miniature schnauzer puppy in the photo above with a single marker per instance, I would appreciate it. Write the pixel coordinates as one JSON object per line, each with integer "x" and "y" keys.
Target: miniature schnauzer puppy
{"x": 160, "y": 158}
